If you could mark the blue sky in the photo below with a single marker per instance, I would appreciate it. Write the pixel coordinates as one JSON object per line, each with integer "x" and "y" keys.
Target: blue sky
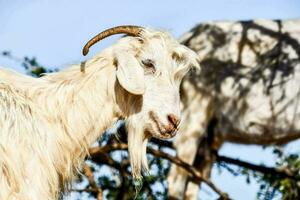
{"x": 55, "y": 31}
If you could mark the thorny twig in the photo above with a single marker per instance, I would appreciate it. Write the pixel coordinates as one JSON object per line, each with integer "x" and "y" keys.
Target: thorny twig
{"x": 197, "y": 177}
{"x": 90, "y": 176}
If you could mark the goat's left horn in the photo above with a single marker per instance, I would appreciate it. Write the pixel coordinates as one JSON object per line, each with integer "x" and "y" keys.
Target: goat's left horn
{"x": 129, "y": 30}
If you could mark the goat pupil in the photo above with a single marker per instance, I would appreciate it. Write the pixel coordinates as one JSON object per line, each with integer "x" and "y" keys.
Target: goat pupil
{"x": 148, "y": 63}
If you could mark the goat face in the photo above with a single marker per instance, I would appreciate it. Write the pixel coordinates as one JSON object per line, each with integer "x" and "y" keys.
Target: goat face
{"x": 149, "y": 68}
{"x": 152, "y": 67}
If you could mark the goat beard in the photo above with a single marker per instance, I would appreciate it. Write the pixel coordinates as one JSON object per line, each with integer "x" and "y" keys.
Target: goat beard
{"x": 137, "y": 148}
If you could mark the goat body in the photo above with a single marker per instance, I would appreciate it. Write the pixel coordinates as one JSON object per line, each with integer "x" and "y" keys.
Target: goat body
{"x": 48, "y": 123}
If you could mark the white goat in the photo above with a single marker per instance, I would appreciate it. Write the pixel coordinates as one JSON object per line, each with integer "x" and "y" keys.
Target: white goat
{"x": 48, "y": 123}
{"x": 248, "y": 85}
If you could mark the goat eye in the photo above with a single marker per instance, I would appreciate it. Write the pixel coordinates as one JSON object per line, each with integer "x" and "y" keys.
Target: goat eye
{"x": 149, "y": 65}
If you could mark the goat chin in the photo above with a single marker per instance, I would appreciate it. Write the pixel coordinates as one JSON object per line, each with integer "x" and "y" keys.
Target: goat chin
{"x": 137, "y": 147}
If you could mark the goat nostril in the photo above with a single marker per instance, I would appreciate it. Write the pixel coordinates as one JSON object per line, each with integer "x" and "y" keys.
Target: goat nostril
{"x": 174, "y": 120}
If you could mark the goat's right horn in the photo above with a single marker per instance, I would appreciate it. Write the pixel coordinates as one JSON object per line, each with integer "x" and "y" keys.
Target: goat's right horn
{"x": 129, "y": 30}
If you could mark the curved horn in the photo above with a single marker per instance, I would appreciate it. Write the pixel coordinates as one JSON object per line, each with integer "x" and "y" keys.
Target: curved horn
{"x": 129, "y": 30}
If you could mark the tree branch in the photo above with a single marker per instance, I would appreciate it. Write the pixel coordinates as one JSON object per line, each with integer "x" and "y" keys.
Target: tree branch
{"x": 90, "y": 176}
{"x": 282, "y": 172}
{"x": 196, "y": 175}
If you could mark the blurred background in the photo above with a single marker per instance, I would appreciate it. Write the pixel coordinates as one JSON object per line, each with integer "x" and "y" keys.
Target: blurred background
{"x": 49, "y": 35}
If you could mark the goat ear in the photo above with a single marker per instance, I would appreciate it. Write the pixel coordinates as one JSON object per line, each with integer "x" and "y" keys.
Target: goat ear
{"x": 130, "y": 74}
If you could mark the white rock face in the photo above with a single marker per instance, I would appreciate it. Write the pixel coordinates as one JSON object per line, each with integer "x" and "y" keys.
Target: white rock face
{"x": 251, "y": 74}
{"x": 248, "y": 85}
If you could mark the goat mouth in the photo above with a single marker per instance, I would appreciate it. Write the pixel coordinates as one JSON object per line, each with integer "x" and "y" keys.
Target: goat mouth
{"x": 160, "y": 131}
